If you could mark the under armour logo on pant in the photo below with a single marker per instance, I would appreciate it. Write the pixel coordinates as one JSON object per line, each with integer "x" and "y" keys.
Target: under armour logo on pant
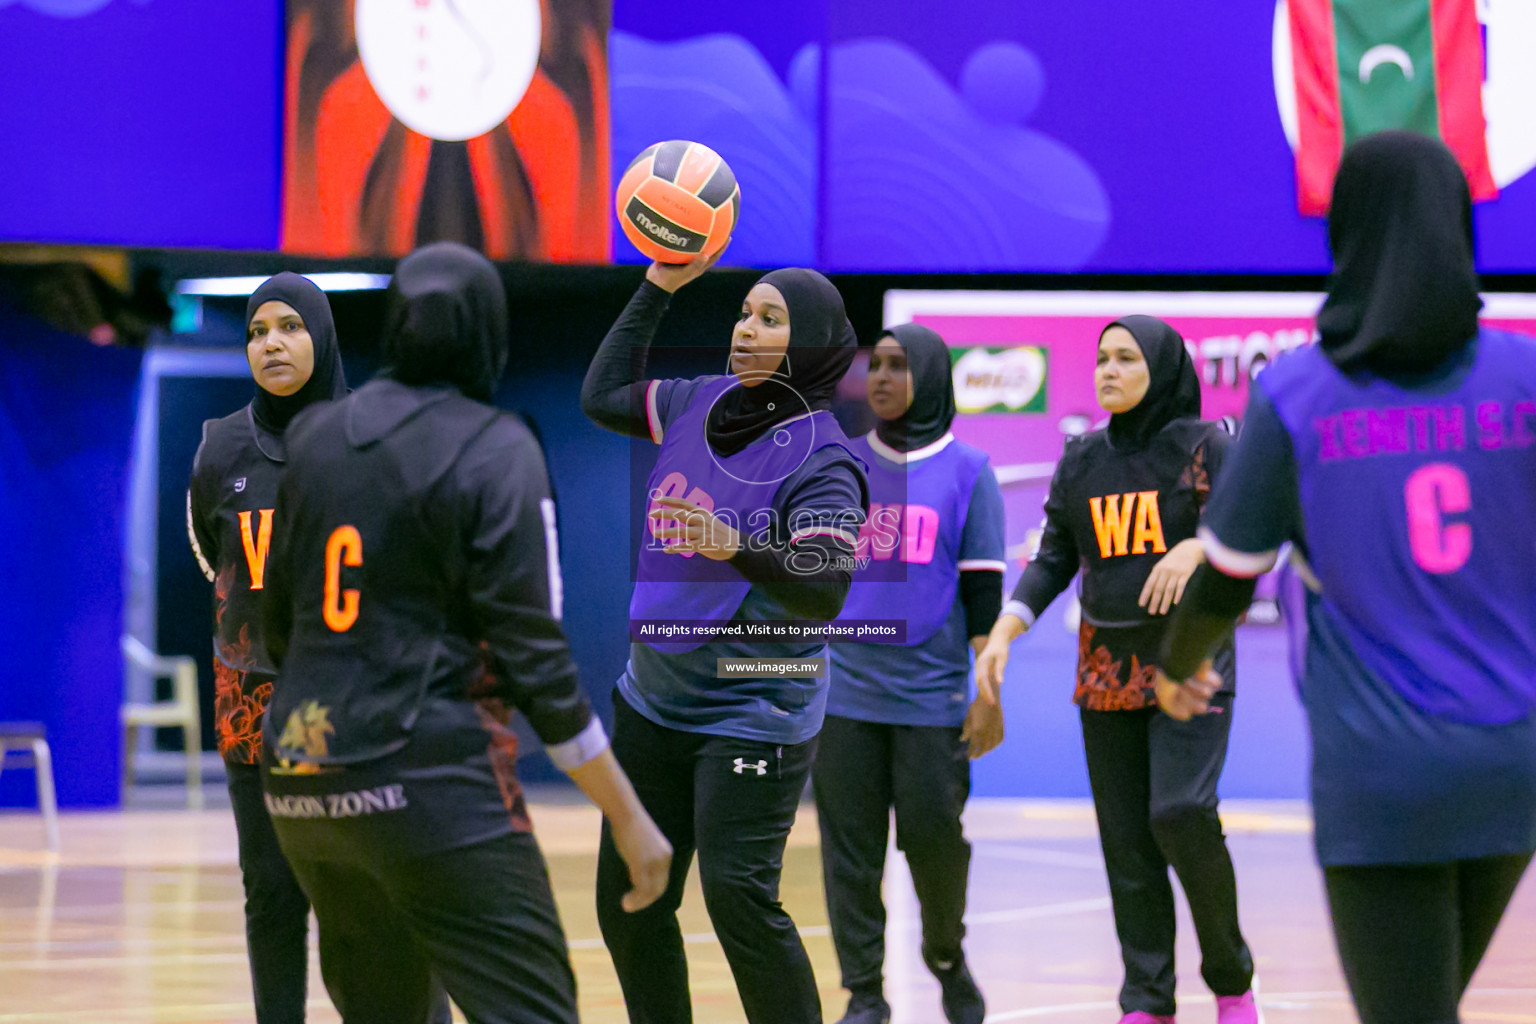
{"x": 742, "y": 764}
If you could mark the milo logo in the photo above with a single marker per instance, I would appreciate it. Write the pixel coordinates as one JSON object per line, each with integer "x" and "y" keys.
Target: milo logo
{"x": 999, "y": 379}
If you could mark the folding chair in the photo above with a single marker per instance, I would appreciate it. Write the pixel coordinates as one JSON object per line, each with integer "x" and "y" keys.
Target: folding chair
{"x": 180, "y": 712}
{"x": 32, "y": 737}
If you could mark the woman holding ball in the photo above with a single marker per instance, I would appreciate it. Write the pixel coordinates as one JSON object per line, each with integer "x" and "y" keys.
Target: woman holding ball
{"x": 755, "y": 506}
{"x": 1123, "y": 508}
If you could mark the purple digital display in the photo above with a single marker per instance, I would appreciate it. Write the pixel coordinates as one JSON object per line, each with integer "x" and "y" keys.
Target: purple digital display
{"x": 141, "y": 122}
{"x": 898, "y": 135}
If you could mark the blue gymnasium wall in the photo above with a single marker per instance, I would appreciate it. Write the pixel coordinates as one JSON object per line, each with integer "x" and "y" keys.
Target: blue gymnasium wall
{"x": 1043, "y": 753}
{"x": 66, "y": 422}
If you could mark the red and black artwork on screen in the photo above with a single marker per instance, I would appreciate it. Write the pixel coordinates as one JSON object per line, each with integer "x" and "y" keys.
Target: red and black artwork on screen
{"x": 477, "y": 121}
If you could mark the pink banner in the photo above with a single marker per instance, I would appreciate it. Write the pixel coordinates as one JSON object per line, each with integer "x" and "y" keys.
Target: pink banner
{"x": 1231, "y": 337}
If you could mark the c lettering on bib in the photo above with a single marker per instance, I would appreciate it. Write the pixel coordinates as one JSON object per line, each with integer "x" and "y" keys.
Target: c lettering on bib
{"x": 1432, "y": 492}
{"x": 345, "y": 547}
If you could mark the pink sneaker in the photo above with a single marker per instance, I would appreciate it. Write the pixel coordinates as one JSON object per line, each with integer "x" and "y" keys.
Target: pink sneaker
{"x": 1238, "y": 1009}
{"x": 1143, "y": 1017}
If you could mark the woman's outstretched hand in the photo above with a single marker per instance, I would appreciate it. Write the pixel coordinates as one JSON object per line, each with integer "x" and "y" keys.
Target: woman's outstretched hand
{"x": 669, "y": 277}
{"x": 992, "y": 656}
{"x": 645, "y": 851}
{"x": 1192, "y": 697}
{"x": 983, "y": 729}
{"x": 990, "y": 664}
{"x": 692, "y": 528}
{"x": 647, "y": 855}
{"x": 1165, "y": 587}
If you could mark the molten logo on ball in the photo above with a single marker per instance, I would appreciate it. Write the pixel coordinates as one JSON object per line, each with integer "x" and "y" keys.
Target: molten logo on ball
{"x": 661, "y": 231}
{"x": 658, "y": 230}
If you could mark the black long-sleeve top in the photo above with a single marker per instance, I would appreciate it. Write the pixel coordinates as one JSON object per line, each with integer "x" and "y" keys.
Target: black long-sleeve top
{"x": 230, "y": 501}
{"x": 1112, "y": 515}
{"x": 412, "y": 566}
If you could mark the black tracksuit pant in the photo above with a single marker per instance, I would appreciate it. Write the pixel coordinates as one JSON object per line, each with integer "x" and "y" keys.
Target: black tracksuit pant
{"x": 1411, "y": 936}
{"x": 733, "y": 801}
{"x": 1154, "y": 793}
{"x": 862, "y": 771}
{"x": 276, "y": 909}
{"x": 481, "y": 918}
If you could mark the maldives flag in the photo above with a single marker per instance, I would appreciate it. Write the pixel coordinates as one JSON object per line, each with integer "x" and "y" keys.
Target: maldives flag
{"x": 1367, "y": 65}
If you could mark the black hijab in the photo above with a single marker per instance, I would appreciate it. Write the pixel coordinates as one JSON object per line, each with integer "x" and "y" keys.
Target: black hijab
{"x": 446, "y": 321}
{"x": 1173, "y": 390}
{"x": 1403, "y": 296}
{"x": 821, "y": 348}
{"x": 933, "y": 390}
{"x": 271, "y": 413}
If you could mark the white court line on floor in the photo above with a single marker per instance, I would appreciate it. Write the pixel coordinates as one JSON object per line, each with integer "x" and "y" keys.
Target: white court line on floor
{"x": 1042, "y": 1011}
{"x": 131, "y": 943}
{"x": 1030, "y": 913}
{"x": 1267, "y": 1001}
{"x": 694, "y": 938}
{"x": 155, "y": 960}
{"x": 1034, "y": 855}
{"x": 987, "y": 917}
{"x": 146, "y": 1014}
{"x": 85, "y": 910}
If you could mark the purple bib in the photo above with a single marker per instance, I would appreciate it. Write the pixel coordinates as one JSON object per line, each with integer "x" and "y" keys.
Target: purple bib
{"x": 1418, "y": 507}
{"x": 912, "y": 537}
{"x": 740, "y": 488}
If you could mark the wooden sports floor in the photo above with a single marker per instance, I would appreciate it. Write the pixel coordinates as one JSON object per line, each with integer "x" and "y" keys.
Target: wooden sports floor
{"x": 139, "y": 920}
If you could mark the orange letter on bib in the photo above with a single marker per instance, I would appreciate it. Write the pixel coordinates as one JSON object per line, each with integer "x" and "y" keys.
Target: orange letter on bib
{"x": 344, "y": 548}
{"x": 1112, "y": 522}
{"x": 256, "y": 550}
{"x": 1149, "y": 525}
